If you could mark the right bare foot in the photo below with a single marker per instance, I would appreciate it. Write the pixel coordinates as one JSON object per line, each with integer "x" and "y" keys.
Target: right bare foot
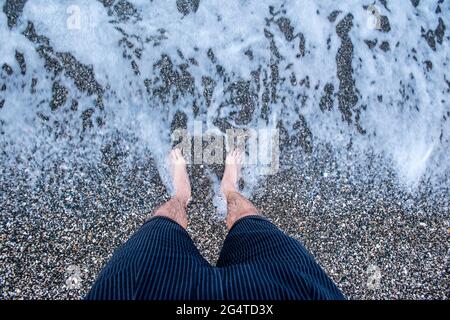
{"x": 232, "y": 173}
{"x": 237, "y": 205}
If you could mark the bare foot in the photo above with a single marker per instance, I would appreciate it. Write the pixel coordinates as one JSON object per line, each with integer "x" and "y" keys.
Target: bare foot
{"x": 237, "y": 205}
{"x": 180, "y": 178}
{"x": 232, "y": 173}
{"x": 175, "y": 208}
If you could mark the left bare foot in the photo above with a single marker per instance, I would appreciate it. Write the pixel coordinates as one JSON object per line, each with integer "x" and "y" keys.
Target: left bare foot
{"x": 175, "y": 208}
{"x": 180, "y": 176}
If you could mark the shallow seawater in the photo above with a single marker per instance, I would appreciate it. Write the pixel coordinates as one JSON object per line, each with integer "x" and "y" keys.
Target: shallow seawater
{"x": 357, "y": 93}
{"x": 78, "y": 73}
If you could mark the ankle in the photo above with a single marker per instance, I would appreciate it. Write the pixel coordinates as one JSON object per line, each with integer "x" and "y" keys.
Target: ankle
{"x": 183, "y": 200}
{"x": 228, "y": 189}
{"x": 230, "y": 193}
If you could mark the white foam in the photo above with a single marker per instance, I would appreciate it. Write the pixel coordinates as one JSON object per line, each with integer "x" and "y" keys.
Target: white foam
{"x": 408, "y": 138}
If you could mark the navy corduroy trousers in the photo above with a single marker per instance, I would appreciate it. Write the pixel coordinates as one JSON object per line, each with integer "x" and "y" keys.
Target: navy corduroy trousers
{"x": 257, "y": 262}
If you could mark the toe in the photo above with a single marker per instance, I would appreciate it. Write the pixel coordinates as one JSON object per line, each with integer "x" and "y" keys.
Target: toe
{"x": 181, "y": 157}
{"x": 173, "y": 155}
{"x": 229, "y": 159}
{"x": 178, "y": 155}
{"x": 239, "y": 158}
